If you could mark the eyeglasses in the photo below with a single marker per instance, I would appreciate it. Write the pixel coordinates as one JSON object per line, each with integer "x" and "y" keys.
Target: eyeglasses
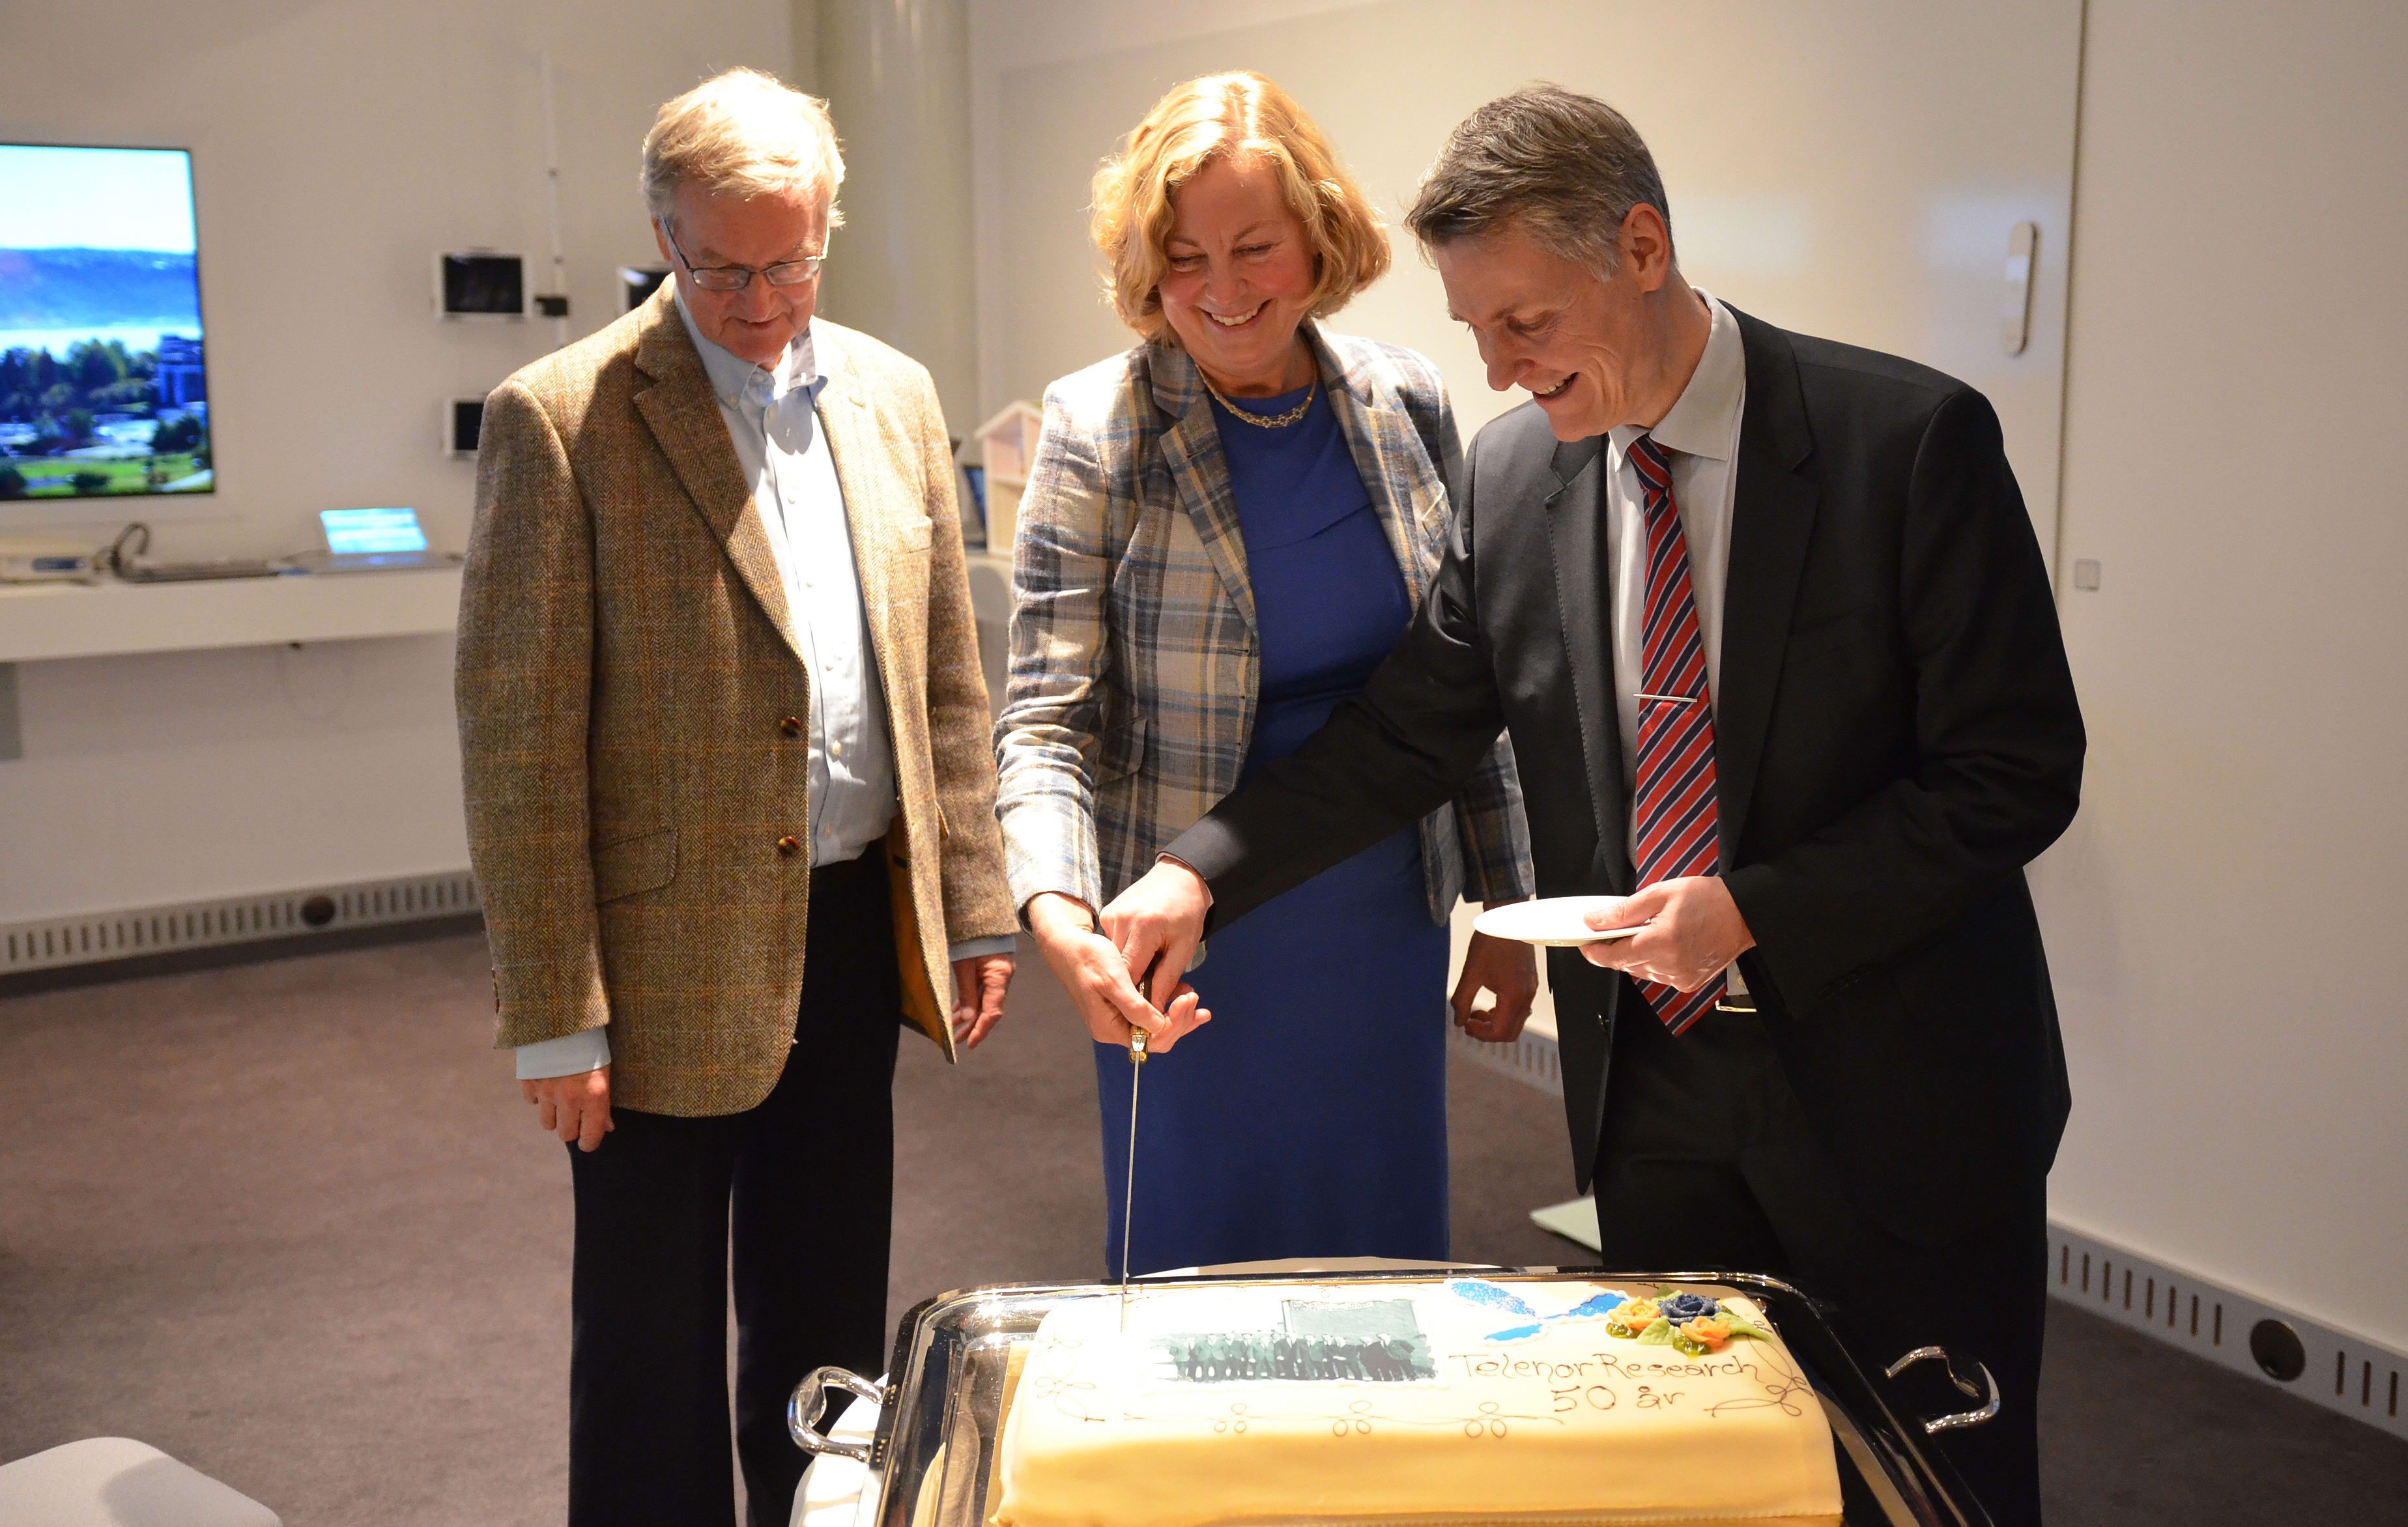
{"x": 737, "y": 278}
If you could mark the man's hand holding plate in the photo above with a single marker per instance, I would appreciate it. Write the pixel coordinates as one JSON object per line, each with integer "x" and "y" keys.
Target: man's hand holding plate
{"x": 1693, "y": 932}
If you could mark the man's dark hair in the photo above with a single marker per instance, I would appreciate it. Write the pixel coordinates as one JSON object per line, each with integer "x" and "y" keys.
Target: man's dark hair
{"x": 1565, "y": 168}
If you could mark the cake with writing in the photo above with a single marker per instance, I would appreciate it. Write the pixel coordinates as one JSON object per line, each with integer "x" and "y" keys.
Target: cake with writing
{"x": 1456, "y": 1400}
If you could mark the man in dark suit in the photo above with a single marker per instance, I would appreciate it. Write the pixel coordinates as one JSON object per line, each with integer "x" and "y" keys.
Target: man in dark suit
{"x": 1776, "y": 646}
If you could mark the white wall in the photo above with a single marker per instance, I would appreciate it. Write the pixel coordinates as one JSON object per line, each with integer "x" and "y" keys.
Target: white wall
{"x": 337, "y": 146}
{"x": 2224, "y": 919}
{"x": 1851, "y": 169}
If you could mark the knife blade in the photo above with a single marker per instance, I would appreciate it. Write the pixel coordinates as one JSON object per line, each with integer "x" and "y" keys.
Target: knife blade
{"x": 1137, "y": 1053}
{"x": 1129, "y": 1195}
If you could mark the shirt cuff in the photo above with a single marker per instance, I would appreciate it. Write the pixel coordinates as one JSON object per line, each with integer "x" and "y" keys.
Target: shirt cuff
{"x": 978, "y": 948}
{"x": 571, "y": 1055}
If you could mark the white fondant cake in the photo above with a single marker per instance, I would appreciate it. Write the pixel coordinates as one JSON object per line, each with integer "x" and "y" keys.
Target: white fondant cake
{"x": 1454, "y": 1400}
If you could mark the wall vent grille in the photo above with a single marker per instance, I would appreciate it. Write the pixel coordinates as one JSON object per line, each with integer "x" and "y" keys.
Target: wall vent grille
{"x": 1531, "y": 1058}
{"x": 125, "y": 934}
{"x": 2336, "y": 1370}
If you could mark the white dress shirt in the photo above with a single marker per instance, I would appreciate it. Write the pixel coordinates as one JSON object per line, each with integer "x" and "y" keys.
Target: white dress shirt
{"x": 1701, "y": 432}
{"x": 773, "y": 422}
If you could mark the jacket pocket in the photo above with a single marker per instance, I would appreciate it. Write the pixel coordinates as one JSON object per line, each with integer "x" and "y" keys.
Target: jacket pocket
{"x": 632, "y": 864}
{"x": 1121, "y": 752}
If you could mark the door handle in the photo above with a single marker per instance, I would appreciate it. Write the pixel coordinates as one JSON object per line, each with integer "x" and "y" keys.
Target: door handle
{"x": 2015, "y": 313}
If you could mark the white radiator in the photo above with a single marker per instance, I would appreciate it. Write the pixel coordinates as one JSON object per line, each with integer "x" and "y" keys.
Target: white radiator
{"x": 91, "y": 938}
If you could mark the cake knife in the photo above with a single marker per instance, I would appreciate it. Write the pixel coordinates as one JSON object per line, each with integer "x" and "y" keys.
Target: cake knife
{"x": 1128, "y": 1195}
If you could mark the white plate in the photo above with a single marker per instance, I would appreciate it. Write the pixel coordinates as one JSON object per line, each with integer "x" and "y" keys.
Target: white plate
{"x": 1556, "y": 923}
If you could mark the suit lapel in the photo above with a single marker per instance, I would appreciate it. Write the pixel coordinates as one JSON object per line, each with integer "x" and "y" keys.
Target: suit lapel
{"x": 1772, "y": 518}
{"x": 683, "y": 415}
{"x": 1191, "y": 447}
{"x": 1576, "y": 531}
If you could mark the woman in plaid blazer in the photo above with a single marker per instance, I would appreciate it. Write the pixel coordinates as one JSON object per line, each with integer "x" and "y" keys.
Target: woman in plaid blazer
{"x": 1224, "y": 529}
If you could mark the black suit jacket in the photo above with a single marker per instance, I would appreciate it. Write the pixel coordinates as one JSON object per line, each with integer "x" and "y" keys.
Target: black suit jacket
{"x": 1897, "y": 737}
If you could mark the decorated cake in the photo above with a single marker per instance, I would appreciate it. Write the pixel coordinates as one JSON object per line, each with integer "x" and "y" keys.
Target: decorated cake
{"x": 1456, "y": 1400}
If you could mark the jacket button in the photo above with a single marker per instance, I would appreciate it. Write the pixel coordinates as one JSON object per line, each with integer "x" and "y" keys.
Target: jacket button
{"x": 789, "y": 847}
{"x": 792, "y": 726}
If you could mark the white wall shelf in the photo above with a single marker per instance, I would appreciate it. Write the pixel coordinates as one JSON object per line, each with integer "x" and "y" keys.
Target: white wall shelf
{"x": 46, "y": 620}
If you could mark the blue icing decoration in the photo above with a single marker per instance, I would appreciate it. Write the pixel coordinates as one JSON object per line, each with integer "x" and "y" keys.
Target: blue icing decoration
{"x": 1516, "y": 1332}
{"x": 1681, "y": 1308}
{"x": 1598, "y": 1304}
{"x": 1494, "y": 1296}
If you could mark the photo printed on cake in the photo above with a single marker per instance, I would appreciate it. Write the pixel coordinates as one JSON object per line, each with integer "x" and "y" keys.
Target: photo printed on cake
{"x": 1312, "y": 1341}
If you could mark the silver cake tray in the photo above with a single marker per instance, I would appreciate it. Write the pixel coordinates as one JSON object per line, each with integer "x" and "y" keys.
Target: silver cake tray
{"x": 941, "y": 1407}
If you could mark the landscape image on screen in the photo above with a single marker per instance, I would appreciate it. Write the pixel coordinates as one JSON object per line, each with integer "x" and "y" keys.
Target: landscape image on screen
{"x": 102, "y": 385}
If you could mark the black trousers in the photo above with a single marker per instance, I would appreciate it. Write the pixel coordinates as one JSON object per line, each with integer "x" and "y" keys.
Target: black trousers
{"x": 809, "y": 1176}
{"x": 1706, "y": 1163}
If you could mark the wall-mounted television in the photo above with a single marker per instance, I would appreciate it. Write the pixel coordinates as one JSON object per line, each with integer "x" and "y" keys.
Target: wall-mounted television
{"x": 104, "y": 374}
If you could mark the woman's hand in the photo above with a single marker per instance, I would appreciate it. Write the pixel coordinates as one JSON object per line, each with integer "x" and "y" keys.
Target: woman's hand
{"x": 1091, "y": 969}
{"x": 1508, "y": 969}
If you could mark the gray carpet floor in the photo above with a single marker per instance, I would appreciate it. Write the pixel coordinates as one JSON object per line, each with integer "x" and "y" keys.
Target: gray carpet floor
{"x": 289, "y": 1221}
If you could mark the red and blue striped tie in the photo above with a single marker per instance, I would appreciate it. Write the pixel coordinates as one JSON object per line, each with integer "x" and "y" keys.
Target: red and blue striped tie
{"x": 1679, "y": 833}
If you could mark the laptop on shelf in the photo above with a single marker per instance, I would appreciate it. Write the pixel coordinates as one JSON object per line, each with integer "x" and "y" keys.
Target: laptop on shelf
{"x": 372, "y": 541}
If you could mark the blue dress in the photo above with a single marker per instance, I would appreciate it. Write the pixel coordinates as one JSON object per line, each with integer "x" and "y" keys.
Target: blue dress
{"x": 1309, "y": 1117}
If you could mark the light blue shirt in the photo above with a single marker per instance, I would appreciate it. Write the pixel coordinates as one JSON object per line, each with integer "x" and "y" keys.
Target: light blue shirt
{"x": 773, "y": 422}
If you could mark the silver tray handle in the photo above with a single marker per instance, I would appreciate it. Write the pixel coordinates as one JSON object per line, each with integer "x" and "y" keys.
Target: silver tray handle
{"x": 810, "y": 1403}
{"x": 1962, "y": 1419}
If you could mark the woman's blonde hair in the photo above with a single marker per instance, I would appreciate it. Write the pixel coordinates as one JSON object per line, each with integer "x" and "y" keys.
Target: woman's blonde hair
{"x": 1228, "y": 115}
{"x": 745, "y": 133}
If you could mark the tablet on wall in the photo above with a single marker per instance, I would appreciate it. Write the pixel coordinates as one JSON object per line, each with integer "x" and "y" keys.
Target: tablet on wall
{"x": 463, "y": 421}
{"x": 480, "y": 283}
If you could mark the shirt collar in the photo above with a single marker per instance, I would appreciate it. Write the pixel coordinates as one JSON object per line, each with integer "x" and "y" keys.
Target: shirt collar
{"x": 1704, "y": 420}
{"x": 732, "y": 376}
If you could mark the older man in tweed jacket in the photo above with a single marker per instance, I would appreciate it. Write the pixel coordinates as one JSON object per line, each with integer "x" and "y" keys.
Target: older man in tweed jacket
{"x": 730, "y": 804}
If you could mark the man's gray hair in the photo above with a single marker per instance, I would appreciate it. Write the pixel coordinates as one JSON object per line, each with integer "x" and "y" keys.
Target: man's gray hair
{"x": 744, "y": 133}
{"x": 1563, "y": 167}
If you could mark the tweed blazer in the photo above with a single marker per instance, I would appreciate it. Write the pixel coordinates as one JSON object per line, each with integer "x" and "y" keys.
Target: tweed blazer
{"x": 629, "y": 681}
{"x": 1135, "y": 662}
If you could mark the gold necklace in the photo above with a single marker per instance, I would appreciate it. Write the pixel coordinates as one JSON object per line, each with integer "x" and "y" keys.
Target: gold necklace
{"x": 1263, "y": 421}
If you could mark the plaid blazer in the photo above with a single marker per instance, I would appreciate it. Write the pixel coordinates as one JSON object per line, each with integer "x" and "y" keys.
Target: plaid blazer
{"x": 626, "y": 669}
{"x": 1135, "y": 665}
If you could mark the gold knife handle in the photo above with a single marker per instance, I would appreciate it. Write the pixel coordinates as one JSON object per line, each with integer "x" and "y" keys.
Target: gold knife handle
{"x": 1137, "y": 1035}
